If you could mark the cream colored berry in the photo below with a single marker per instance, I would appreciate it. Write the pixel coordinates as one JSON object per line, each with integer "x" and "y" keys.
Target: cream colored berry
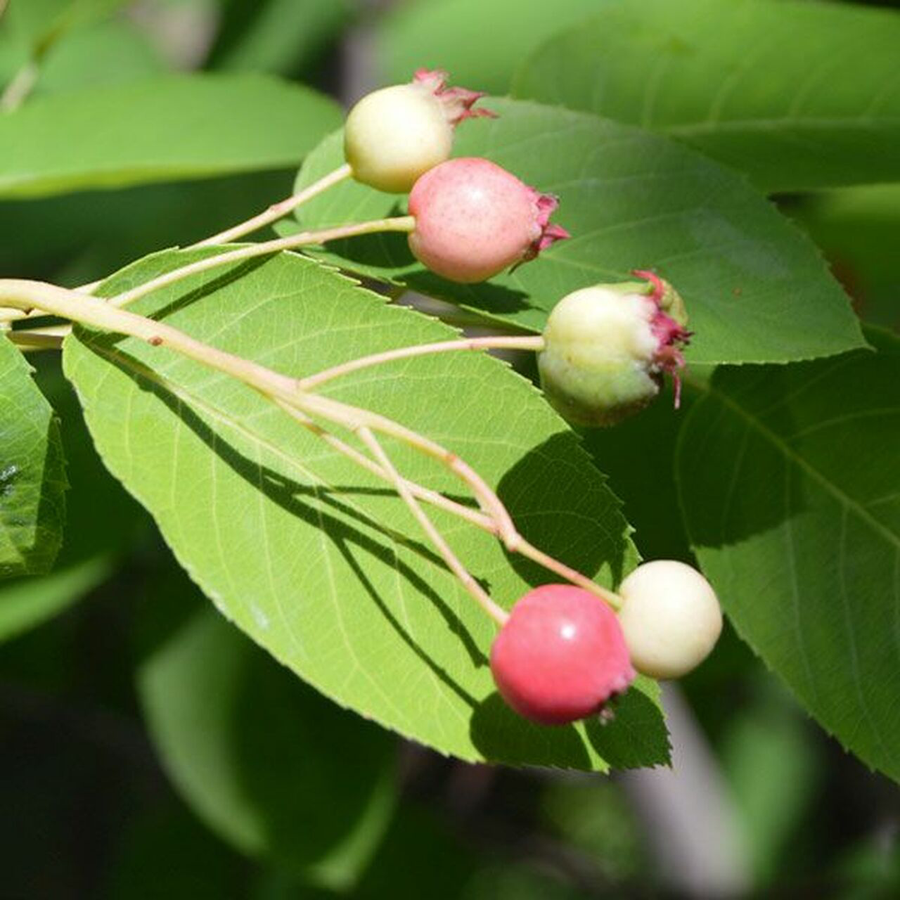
{"x": 670, "y": 616}
{"x": 394, "y": 135}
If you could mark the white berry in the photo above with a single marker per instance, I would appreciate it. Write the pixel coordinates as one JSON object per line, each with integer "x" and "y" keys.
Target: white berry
{"x": 670, "y": 616}
{"x": 394, "y": 135}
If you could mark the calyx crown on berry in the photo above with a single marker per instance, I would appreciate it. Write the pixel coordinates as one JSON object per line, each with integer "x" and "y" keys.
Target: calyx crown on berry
{"x": 457, "y": 102}
{"x": 669, "y": 327}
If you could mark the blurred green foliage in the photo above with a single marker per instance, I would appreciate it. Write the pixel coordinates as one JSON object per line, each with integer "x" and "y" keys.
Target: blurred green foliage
{"x": 89, "y": 810}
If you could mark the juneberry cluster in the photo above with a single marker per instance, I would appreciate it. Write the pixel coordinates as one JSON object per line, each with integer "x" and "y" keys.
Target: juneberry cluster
{"x": 563, "y": 652}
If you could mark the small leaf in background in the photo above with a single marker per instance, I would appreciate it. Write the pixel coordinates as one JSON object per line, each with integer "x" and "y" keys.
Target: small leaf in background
{"x": 775, "y": 89}
{"x": 313, "y": 557}
{"x": 273, "y": 767}
{"x": 27, "y": 603}
{"x": 774, "y": 772}
{"x": 32, "y": 471}
{"x": 481, "y": 44}
{"x": 282, "y": 36}
{"x": 756, "y": 288}
{"x": 164, "y": 129}
{"x": 789, "y": 483}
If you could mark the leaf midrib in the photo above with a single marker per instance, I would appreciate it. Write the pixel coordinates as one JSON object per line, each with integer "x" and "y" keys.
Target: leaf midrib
{"x": 771, "y": 124}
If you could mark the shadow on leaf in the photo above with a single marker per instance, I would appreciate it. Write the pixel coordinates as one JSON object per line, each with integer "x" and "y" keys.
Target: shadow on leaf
{"x": 311, "y": 503}
{"x": 503, "y": 736}
{"x": 558, "y": 516}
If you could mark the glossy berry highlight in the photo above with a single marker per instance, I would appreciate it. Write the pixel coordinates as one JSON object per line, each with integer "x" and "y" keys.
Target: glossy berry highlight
{"x": 475, "y": 219}
{"x": 394, "y": 135}
{"x": 607, "y": 348}
{"x": 560, "y": 656}
{"x": 670, "y": 616}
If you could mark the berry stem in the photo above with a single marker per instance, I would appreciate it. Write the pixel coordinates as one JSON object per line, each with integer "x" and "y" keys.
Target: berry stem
{"x": 353, "y": 418}
{"x": 570, "y": 574}
{"x": 459, "y": 570}
{"x": 303, "y": 239}
{"x": 473, "y": 516}
{"x": 97, "y": 313}
{"x": 492, "y": 342}
{"x": 277, "y": 210}
{"x": 22, "y": 84}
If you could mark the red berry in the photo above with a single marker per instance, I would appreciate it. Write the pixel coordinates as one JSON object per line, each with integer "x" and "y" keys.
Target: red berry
{"x": 474, "y": 219}
{"x": 560, "y": 656}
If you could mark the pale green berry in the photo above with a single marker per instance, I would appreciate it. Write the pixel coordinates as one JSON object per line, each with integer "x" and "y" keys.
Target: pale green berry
{"x": 606, "y": 348}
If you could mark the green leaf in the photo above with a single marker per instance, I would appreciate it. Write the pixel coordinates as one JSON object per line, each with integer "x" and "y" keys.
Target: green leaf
{"x": 647, "y": 489}
{"x": 100, "y": 522}
{"x": 31, "y": 601}
{"x": 789, "y": 482}
{"x": 270, "y": 765}
{"x": 756, "y": 289}
{"x": 857, "y": 229}
{"x": 33, "y": 29}
{"x": 284, "y": 36}
{"x": 32, "y": 476}
{"x": 317, "y": 560}
{"x": 165, "y": 129}
{"x": 799, "y": 95}
{"x": 480, "y": 44}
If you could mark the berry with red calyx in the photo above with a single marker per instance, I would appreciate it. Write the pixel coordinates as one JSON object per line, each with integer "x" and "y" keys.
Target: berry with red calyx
{"x": 608, "y": 346}
{"x": 560, "y": 656}
{"x": 475, "y": 219}
{"x": 670, "y": 616}
{"x": 394, "y": 135}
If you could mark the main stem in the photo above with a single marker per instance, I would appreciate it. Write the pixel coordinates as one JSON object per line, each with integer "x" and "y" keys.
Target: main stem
{"x": 494, "y": 342}
{"x": 28, "y": 295}
{"x": 473, "y": 516}
{"x": 285, "y": 391}
{"x": 499, "y": 615}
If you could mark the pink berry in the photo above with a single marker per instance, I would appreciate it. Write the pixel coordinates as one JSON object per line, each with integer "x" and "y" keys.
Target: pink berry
{"x": 560, "y": 656}
{"x": 474, "y": 219}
